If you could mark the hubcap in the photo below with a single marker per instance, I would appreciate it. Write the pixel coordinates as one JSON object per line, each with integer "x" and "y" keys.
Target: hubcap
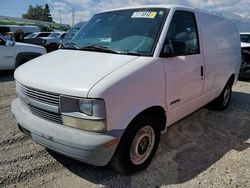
{"x": 142, "y": 145}
{"x": 226, "y": 96}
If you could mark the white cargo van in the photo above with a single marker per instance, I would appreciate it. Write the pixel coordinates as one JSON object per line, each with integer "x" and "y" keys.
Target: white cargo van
{"x": 123, "y": 79}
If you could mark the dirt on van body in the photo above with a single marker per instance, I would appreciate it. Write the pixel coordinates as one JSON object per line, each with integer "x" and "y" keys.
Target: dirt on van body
{"x": 206, "y": 149}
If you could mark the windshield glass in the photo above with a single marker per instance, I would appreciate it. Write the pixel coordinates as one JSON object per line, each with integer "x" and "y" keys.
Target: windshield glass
{"x": 245, "y": 38}
{"x": 134, "y": 31}
{"x": 56, "y": 35}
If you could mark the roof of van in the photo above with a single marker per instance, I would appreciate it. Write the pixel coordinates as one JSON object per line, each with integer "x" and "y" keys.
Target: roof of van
{"x": 153, "y": 6}
{"x": 167, "y": 6}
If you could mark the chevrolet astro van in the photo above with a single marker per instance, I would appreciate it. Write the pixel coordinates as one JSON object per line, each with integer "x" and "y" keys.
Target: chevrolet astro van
{"x": 108, "y": 94}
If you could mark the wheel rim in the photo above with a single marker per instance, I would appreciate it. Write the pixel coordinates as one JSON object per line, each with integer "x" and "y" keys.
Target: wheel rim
{"x": 226, "y": 96}
{"x": 142, "y": 145}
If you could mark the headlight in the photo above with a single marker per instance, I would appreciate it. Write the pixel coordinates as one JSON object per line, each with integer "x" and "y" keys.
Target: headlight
{"x": 85, "y": 114}
{"x": 86, "y": 106}
{"x": 92, "y": 107}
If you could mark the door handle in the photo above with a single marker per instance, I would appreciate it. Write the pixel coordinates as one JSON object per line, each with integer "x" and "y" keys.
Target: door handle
{"x": 202, "y": 72}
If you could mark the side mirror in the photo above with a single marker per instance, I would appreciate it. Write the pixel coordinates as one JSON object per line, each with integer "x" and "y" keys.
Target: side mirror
{"x": 168, "y": 48}
{"x": 9, "y": 43}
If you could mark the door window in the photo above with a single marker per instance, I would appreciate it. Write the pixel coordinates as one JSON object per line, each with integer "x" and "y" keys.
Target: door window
{"x": 182, "y": 36}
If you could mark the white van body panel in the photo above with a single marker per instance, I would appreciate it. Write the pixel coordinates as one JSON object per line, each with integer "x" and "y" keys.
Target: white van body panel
{"x": 122, "y": 90}
{"x": 69, "y": 72}
{"x": 222, "y": 50}
{"x": 216, "y": 48}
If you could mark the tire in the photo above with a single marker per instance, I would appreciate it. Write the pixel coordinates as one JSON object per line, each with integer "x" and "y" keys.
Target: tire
{"x": 137, "y": 145}
{"x": 24, "y": 57}
{"x": 222, "y": 102}
{"x": 21, "y": 62}
{"x": 52, "y": 47}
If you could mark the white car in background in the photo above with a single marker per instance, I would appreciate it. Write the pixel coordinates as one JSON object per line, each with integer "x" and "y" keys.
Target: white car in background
{"x": 34, "y": 38}
{"x": 14, "y": 54}
{"x": 245, "y": 52}
{"x": 53, "y": 41}
{"x": 55, "y": 37}
{"x": 37, "y": 34}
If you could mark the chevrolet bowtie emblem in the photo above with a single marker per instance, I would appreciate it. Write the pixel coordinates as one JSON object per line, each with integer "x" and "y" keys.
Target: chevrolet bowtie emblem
{"x": 26, "y": 100}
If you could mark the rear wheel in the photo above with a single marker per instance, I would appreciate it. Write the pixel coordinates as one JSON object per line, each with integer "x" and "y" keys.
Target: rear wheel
{"x": 21, "y": 62}
{"x": 222, "y": 102}
{"x": 137, "y": 146}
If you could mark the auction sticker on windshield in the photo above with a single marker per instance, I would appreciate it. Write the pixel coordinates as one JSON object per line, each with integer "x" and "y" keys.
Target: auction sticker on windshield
{"x": 144, "y": 14}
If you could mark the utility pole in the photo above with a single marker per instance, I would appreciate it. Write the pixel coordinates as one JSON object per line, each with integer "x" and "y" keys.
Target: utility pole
{"x": 73, "y": 17}
{"x": 60, "y": 14}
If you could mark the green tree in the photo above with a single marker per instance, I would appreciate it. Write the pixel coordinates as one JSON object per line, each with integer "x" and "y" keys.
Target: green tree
{"x": 38, "y": 13}
{"x": 47, "y": 14}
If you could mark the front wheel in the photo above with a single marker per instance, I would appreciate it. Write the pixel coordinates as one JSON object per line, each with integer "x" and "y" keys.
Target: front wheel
{"x": 137, "y": 146}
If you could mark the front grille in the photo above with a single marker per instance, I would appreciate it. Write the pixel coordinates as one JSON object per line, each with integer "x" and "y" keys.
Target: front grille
{"x": 42, "y": 97}
{"x": 56, "y": 118}
{"x": 38, "y": 95}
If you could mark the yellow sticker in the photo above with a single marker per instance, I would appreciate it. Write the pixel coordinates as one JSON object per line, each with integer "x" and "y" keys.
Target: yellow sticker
{"x": 152, "y": 14}
{"x": 144, "y": 14}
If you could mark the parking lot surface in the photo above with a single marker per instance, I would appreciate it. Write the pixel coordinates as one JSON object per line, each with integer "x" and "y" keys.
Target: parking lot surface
{"x": 206, "y": 149}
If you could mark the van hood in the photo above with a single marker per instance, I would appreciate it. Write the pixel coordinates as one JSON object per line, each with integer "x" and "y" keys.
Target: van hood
{"x": 69, "y": 72}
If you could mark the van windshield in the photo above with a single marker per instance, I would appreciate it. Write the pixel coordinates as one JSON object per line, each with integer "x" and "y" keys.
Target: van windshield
{"x": 134, "y": 31}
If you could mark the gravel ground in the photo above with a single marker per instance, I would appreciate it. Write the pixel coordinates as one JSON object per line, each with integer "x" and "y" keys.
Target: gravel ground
{"x": 205, "y": 149}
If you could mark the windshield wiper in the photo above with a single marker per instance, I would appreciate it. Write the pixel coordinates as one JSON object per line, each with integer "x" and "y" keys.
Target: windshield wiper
{"x": 131, "y": 53}
{"x": 100, "y": 49}
{"x": 69, "y": 45}
{"x": 96, "y": 48}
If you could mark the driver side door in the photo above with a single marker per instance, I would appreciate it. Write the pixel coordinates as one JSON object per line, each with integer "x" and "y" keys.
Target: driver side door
{"x": 183, "y": 64}
{"x": 7, "y": 55}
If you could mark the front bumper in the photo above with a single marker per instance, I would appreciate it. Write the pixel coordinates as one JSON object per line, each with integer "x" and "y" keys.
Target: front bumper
{"x": 92, "y": 148}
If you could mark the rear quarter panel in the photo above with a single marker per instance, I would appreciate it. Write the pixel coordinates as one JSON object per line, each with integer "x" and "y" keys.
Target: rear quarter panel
{"x": 221, "y": 48}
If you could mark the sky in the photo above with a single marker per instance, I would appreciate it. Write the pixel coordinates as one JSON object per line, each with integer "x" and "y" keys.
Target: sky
{"x": 238, "y": 10}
